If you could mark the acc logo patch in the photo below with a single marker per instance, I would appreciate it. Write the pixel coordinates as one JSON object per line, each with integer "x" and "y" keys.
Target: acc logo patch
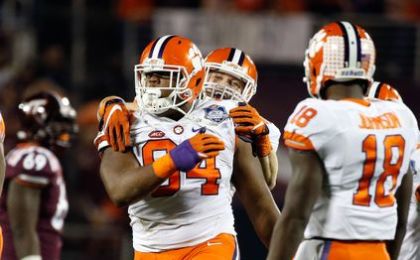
{"x": 215, "y": 113}
{"x": 156, "y": 134}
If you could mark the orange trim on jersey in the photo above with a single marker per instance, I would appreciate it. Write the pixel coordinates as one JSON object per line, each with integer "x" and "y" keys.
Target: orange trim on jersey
{"x": 223, "y": 246}
{"x": 29, "y": 184}
{"x": 297, "y": 141}
{"x": 355, "y": 250}
{"x": 363, "y": 102}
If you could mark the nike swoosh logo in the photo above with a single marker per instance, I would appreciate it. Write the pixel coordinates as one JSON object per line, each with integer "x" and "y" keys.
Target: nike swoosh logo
{"x": 201, "y": 129}
{"x": 213, "y": 243}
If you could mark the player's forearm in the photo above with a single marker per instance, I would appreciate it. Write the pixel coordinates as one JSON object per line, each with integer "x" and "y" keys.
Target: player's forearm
{"x": 262, "y": 212}
{"x": 269, "y": 165}
{"x": 126, "y": 185}
{"x": 265, "y": 224}
{"x": 287, "y": 235}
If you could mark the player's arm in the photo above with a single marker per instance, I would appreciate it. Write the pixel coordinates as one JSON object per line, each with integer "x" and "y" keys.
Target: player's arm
{"x": 126, "y": 181}
{"x": 23, "y": 204}
{"x": 2, "y": 167}
{"x": 269, "y": 166}
{"x": 303, "y": 189}
{"x": 269, "y": 163}
{"x": 403, "y": 196}
{"x": 251, "y": 126}
{"x": 254, "y": 193}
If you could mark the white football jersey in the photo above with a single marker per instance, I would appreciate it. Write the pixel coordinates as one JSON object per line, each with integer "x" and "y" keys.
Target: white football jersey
{"x": 189, "y": 207}
{"x": 410, "y": 249}
{"x": 365, "y": 147}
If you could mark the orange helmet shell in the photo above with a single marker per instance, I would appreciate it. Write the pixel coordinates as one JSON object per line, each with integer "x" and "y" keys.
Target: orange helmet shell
{"x": 340, "y": 52}
{"x": 236, "y": 63}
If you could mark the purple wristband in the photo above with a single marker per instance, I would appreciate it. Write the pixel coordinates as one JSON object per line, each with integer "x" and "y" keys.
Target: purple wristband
{"x": 184, "y": 156}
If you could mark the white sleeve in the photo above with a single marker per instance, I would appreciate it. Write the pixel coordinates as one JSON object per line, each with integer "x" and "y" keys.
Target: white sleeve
{"x": 310, "y": 126}
{"x": 274, "y": 135}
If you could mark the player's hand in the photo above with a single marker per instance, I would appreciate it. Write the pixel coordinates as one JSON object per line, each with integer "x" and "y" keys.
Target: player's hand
{"x": 190, "y": 152}
{"x": 248, "y": 121}
{"x": 251, "y": 127}
{"x": 114, "y": 124}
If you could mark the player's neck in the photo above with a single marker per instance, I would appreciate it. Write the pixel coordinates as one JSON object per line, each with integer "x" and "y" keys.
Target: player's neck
{"x": 340, "y": 91}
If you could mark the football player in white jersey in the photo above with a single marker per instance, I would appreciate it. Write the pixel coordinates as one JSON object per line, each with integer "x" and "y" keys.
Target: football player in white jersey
{"x": 410, "y": 249}
{"x": 177, "y": 179}
{"x": 349, "y": 194}
{"x": 230, "y": 75}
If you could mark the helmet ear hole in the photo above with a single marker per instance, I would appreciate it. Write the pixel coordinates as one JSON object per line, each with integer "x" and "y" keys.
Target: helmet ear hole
{"x": 314, "y": 72}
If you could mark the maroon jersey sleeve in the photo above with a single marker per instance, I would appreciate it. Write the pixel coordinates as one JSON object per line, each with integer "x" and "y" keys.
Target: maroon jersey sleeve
{"x": 32, "y": 166}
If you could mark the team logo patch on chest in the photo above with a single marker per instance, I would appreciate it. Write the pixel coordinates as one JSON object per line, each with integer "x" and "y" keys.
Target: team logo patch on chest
{"x": 178, "y": 129}
{"x": 215, "y": 113}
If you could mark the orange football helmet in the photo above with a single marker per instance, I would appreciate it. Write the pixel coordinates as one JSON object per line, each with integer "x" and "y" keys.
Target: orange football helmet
{"x": 235, "y": 63}
{"x": 383, "y": 91}
{"x": 182, "y": 61}
{"x": 339, "y": 52}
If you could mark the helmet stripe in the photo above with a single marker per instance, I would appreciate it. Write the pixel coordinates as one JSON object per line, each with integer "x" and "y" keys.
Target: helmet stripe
{"x": 163, "y": 46}
{"x": 241, "y": 59}
{"x": 346, "y": 43}
{"x": 159, "y": 45}
{"x": 153, "y": 47}
{"x": 358, "y": 44}
{"x": 351, "y": 43}
{"x": 231, "y": 53}
{"x": 237, "y": 56}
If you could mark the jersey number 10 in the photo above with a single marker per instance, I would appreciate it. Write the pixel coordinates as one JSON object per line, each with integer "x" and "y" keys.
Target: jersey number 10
{"x": 390, "y": 168}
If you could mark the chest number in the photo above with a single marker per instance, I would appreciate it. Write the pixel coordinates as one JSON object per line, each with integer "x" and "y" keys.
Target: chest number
{"x": 303, "y": 116}
{"x": 207, "y": 170}
{"x": 391, "y": 167}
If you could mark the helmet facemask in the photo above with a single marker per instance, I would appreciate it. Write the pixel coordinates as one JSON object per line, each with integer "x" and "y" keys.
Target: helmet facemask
{"x": 159, "y": 99}
{"x": 228, "y": 92}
